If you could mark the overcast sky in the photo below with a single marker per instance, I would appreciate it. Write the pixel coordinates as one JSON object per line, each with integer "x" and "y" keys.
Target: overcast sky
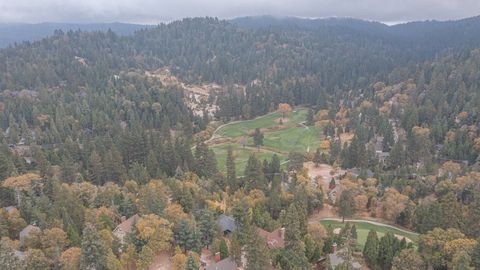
{"x": 155, "y": 11}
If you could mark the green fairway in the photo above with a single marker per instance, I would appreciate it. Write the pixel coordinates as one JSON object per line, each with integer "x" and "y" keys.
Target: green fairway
{"x": 364, "y": 227}
{"x": 238, "y": 129}
{"x": 241, "y": 156}
{"x": 278, "y": 138}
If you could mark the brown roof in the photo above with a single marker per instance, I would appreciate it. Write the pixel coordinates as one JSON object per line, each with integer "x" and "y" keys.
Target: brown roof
{"x": 274, "y": 239}
{"x": 126, "y": 226}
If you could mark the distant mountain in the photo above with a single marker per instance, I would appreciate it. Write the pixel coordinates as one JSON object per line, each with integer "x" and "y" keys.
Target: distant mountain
{"x": 12, "y": 33}
{"x": 304, "y": 23}
{"x": 425, "y": 37}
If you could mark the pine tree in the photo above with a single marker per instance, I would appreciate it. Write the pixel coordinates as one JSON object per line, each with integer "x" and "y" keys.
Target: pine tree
{"x": 186, "y": 237}
{"x": 346, "y": 204}
{"x": 353, "y": 231}
{"x": 93, "y": 252}
{"x": 386, "y": 251}
{"x": 309, "y": 121}
{"x": 258, "y": 138}
{"x": 292, "y": 226}
{"x": 257, "y": 253}
{"x": 191, "y": 263}
{"x": 231, "y": 170}
{"x": 317, "y": 158}
{"x": 206, "y": 227}
{"x": 96, "y": 170}
{"x": 370, "y": 250}
{"x": 476, "y": 255}
{"x": 254, "y": 178}
{"x": 223, "y": 249}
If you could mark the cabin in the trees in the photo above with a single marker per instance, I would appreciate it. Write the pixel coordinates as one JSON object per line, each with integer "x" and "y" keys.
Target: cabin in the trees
{"x": 26, "y": 231}
{"x": 335, "y": 258}
{"x": 125, "y": 227}
{"x": 225, "y": 264}
{"x": 226, "y": 224}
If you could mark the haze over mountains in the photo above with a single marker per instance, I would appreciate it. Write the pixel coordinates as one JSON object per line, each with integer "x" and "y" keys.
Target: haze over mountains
{"x": 11, "y": 33}
{"x": 18, "y": 32}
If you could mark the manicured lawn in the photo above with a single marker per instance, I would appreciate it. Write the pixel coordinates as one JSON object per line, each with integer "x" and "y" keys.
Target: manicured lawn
{"x": 245, "y": 127}
{"x": 293, "y": 139}
{"x": 364, "y": 227}
{"x": 290, "y": 136}
{"x": 241, "y": 156}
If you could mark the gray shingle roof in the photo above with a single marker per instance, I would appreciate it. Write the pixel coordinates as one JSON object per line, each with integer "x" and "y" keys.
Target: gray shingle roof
{"x": 225, "y": 264}
{"x": 226, "y": 223}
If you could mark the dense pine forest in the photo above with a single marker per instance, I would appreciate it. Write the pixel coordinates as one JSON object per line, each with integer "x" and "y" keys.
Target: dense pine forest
{"x": 109, "y": 159}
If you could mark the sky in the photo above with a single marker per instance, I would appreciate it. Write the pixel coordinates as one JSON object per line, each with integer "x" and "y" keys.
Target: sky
{"x": 156, "y": 11}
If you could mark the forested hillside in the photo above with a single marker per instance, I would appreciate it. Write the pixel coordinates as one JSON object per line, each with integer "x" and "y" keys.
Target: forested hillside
{"x": 109, "y": 145}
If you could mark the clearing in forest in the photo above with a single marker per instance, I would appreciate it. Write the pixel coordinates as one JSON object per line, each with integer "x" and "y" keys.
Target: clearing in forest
{"x": 363, "y": 227}
{"x": 281, "y": 136}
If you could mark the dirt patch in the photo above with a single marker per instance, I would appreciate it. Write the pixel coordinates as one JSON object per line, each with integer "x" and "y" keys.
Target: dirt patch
{"x": 161, "y": 262}
{"x": 282, "y": 120}
{"x": 400, "y": 237}
{"x": 346, "y": 137}
{"x": 321, "y": 173}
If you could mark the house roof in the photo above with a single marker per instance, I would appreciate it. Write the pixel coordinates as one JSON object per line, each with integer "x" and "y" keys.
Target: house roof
{"x": 274, "y": 239}
{"x": 335, "y": 260}
{"x": 225, "y": 264}
{"x": 226, "y": 223}
{"x": 126, "y": 226}
{"x": 9, "y": 209}
{"x": 27, "y": 230}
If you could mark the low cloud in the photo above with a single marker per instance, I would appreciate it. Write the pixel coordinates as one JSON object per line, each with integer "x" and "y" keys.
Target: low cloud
{"x": 155, "y": 11}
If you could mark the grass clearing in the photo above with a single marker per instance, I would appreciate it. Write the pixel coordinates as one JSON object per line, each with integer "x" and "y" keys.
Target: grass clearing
{"x": 279, "y": 139}
{"x": 364, "y": 227}
{"x": 241, "y": 156}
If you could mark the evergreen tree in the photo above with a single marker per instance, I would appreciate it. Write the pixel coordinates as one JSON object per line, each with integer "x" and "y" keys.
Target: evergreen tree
{"x": 93, "y": 252}
{"x": 206, "y": 227}
{"x": 257, "y": 253}
{"x": 317, "y": 158}
{"x": 191, "y": 263}
{"x": 205, "y": 161}
{"x": 96, "y": 169}
{"x": 254, "y": 177}
{"x": 186, "y": 237}
{"x": 346, "y": 204}
{"x": 353, "y": 231}
{"x": 258, "y": 138}
{"x": 370, "y": 250}
{"x": 231, "y": 170}
{"x": 223, "y": 249}
{"x": 386, "y": 251}
{"x": 476, "y": 255}
{"x": 310, "y": 121}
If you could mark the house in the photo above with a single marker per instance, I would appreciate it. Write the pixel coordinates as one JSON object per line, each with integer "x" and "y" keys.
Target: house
{"x": 275, "y": 239}
{"x": 383, "y": 156}
{"x": 336, "y": 259}
{"x": 225, "y": 264}
{"x": 26, "y": 231}
{"x": 9, "y": 209}
{"x": 226, "y": 224}
{"x": 125, "y": 227}
{"x": 20, "y": 254}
